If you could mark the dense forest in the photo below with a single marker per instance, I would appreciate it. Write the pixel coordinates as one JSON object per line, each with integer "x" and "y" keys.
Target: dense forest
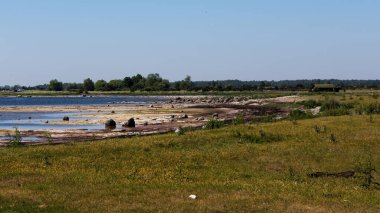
{"x": 154, "y": 82}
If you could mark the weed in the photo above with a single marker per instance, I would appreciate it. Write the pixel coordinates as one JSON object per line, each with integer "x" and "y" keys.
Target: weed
{"x": 239, "y": 119}
{"x": 47, "y": 135}
{"x": 319, "y": 129}
{"x": 213, "y": 124}
{"x": 366, "y": 168}
{"x": 299, "y": 114}
{"x": 309, "y": 104}
{"x": 332, "y": 138}
{"x": 371, "y": 119}
{"x": 15, "y": 139}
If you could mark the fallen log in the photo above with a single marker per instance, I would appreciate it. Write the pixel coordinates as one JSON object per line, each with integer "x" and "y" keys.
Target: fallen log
{"x": 345, "y": 174}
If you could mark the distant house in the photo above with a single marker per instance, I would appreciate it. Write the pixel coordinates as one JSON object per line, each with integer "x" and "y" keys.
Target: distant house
{"x": 325, "y": 88}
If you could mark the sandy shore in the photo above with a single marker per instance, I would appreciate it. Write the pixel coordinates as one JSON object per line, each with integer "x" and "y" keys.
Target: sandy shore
{"x": 154, "y": 118}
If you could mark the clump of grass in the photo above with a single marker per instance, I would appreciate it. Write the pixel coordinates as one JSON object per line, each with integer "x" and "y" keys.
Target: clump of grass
{"x": 261, "y": 137}
{"x": 333, "y": 138}
{"x": 371, "y": 119}
{"x": 239, "y": 119}
{"x": 213, "y": 124}
{"x": 15, "y": 139}
{"x": 309, "y": 104}
{"x": 47, "y": 135}
{"x": 299, "y": 114}
{"x": 333, "y": 107}
{"x": 292, "y": 174}
{"x": 319, "y": 129}
{"x": 372, "y": 108}
{"x": 366, "y": 168}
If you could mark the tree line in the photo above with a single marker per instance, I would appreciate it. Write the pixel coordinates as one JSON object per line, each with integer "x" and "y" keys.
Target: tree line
{"x": 154, "y": 82}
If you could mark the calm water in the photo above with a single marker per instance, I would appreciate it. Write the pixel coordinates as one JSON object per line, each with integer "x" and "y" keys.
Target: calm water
{"x": 56, "y": 101}
{"x": 36, "y": 120}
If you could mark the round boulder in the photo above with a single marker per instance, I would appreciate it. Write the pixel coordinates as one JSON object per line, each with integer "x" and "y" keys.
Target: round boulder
{"x": 131, "y": 123}
{"x": 110, "y": 124}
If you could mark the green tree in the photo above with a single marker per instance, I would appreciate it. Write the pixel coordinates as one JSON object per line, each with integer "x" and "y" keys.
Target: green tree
{"x": 128, "y": 82}
{"x": 88, "y": 85}
{"x": 115, "y": 85}
{"x": 186, "y": 83}
{"x": 101, "y": 85}
{"x": 55, "y": 85}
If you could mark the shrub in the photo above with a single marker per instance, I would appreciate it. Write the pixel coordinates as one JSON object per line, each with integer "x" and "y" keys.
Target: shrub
{"x": 239, "y": 119}
{"x": 213, "y": 124}
{"x": 373, "y": 108}
{"x": 309, "y": 104}
{"x": 366, "y": 169}
{"x": 16, "y": 139}
{"x": 334, "y": 108}
{"x": 299, "y": 114}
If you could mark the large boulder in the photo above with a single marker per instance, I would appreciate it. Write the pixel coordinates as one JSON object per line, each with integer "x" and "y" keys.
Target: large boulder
{"x": 110, "y": 124}
{"x": 131, "y": 123}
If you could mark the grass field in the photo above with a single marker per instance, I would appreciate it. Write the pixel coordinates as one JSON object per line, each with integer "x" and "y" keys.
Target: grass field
{"x": 247, "y": 168}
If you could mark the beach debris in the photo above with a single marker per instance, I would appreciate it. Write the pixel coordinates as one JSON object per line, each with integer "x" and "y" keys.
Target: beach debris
{"x": 110, "y": 124}
{"x": 46, "y": 122}
{"x": 66, "y": 118}
{"x": 193, "y": 197}
{"x": 184, "y": 116}
{"x": 151, "y": 106}
{"x": 131, "y": 123}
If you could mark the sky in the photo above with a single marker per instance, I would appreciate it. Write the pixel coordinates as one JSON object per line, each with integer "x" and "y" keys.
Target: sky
{"x": 71, "y": 40}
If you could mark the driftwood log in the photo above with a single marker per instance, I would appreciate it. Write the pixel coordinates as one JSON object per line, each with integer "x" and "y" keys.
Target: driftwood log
{"x": 345, "y": 174}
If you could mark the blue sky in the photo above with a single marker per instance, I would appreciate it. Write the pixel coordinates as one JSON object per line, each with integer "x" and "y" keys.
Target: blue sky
{"x": 208, "y": 39}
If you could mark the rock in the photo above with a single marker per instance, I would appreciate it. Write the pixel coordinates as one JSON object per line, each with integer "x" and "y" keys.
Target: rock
{"x": 131, "y": 123}
{"x": 193, "y": 197}
{"x": 66, "y": 118}
{"x": 110, "y": 124}
{"x": 179, "y": 131}
{"x": 46, "y": 122}
{"x": 215, "y": 115}
{"x": 29, "y": 118}
{"x": 151, "y": 106}
{"x": 113, "y": 112}
{"x": 172, "y": 106}
{"x": 184, "y": 116}
{"x": 146, "y": 123}
{"x": 172, "y": 116}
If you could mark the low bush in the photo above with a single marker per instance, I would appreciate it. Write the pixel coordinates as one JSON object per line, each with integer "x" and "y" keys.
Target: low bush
{"x": 299, "y": 114}
{"x": 310, "y": 104}
{"x": 213, "y": 124}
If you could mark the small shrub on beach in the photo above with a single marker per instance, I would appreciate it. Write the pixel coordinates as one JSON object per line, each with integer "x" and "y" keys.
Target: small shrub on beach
{"x": 15, "y": 139}
{"x": 239, "y": 119}
{"x": 213, "y": 124}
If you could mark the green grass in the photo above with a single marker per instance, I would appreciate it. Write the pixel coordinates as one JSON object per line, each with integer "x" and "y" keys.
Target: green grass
{"x": 228, "y": 173}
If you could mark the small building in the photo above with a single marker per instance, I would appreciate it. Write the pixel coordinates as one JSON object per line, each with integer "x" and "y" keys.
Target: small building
{"x": 325, "y": 88}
